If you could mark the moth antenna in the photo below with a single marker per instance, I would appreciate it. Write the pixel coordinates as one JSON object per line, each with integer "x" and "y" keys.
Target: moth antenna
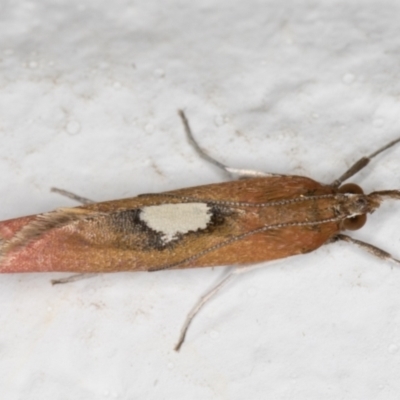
{"x": 386, "y": 195}
{"x": 199, "y": 305}
{"x": 362, "y": 162}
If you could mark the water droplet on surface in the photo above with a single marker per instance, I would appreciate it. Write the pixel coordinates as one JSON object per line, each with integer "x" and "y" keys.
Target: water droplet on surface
{"x": 219, "y": 120}
{"x": 73, "y": 127}
{"x": 214, "y": 334}
{"x": 33, "y": 64}
{"x": 393, "y": 348}
{"x": 348, "y": 78}
{"x": 378, "y": 122}
{"x": 104, "y": 65}
{"x": 159, "y": 73}
{"x": 170, "y": 365}
{"x": 149, "y": 128}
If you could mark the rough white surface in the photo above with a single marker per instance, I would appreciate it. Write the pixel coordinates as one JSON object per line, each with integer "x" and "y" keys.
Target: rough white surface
{"x": 88, "y": 98}
{"x": 170, "y": 220}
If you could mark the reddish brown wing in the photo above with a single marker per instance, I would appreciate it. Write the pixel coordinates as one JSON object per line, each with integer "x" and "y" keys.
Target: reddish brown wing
{"x": 109, "y": 236}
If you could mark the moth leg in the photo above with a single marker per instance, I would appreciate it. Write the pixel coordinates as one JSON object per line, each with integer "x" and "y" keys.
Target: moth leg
{"x": 249, "y": 173}
{"x": 72, "y": 196}
{"x": 83, "y": 200}
{"x": 375, "y": 251}
{"x": 72, "y": 278}
{"x": 361, "y": 163}
{"x": 208, "y": 295}
{"x": 199, "y": 305}
{"x": 242, "y": 173}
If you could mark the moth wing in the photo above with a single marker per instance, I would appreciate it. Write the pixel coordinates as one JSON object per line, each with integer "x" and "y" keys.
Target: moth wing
{"x": 255, "y": 190}
{"x": 115, "y": 236}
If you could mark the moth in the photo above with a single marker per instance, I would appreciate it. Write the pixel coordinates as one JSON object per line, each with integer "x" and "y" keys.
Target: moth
{"x": 259, "y": 217}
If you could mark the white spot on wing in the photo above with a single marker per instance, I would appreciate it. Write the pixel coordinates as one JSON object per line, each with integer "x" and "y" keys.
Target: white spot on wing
{"x": 173, "y": 219}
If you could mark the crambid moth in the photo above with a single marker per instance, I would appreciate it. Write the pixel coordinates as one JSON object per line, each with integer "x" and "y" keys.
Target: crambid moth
{"x": 261, "y": 217}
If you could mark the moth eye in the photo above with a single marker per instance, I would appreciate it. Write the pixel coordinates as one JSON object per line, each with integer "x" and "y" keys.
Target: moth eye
{"x": 354, "y": 223}
{"x": 357, "y": 222}
{"x": 351, "y": 188}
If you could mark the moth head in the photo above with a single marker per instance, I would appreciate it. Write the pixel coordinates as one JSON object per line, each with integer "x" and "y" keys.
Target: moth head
{"x": 357, "y": 207}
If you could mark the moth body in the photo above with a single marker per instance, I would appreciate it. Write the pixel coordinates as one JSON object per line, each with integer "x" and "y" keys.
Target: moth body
{"x": 232, "y": 223}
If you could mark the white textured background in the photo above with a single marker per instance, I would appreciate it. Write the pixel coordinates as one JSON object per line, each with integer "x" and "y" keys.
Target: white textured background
{"x": 88, "y": 98}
